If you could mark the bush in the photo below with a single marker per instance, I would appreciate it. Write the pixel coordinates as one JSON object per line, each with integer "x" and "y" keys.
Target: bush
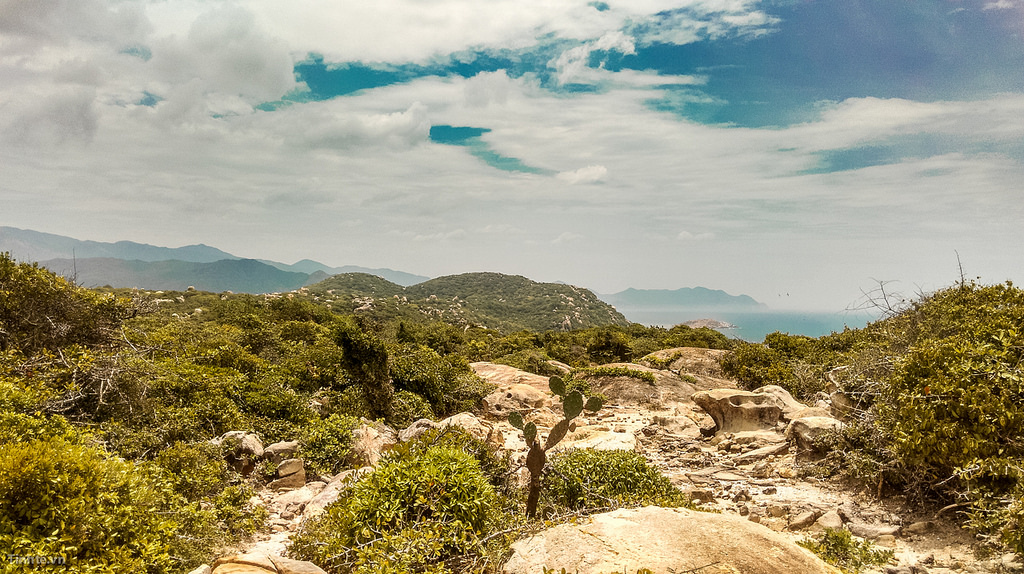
{"x": 416, "y": 510}
{"x": 326, "y": 443}
{"x": 100, "y": 514}
{"x": 591, "y": 479}
{"x": 530, "y": 360}
{"x": 840, "y": 549}
{"x": 41, "y": 310}
{"x": 409, "y": 408}
{"x": 446, "y": 382}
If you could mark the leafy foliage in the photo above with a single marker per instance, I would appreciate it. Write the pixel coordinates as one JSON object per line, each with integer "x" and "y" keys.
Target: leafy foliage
{"x": 839, "y": 548}
{"x": 589, "y": 479}
{"x": 935, "y": 392}
{"x": 101, "y": 514}
{"x": 416, "y": 510}
{"x": 326, "y": 443}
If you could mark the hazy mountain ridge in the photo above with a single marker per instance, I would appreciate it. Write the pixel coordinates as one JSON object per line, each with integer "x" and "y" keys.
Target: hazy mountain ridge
{"x": 688, "y": 297}
{"x": 28, "y": 245}
{"x": 238, "y": 275}
{"x": 154, "y": 267}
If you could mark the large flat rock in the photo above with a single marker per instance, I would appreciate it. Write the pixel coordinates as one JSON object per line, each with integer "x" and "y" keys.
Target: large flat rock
{"x": 663, "y": 540}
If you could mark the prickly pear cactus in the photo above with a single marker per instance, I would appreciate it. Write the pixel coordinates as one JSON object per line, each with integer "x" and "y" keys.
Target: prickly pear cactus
{"x": 573, "y": 404}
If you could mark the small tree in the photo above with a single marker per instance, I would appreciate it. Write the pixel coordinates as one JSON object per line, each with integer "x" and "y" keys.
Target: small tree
{"x": 573, "y": 403}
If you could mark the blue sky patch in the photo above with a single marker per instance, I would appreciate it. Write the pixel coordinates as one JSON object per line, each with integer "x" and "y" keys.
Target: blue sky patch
{"x": 470, "y": 138}
{"x": 455, "y": 135}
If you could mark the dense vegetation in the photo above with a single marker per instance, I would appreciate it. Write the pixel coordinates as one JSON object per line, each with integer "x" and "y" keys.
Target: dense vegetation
{"x": 934, "y": 400}
{"x": 109, "y": 401}
{"x": 487, "y": 300}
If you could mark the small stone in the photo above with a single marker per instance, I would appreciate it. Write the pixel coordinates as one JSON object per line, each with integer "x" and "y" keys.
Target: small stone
{"x": 787, "y": 472}
{"x": 803, "y": 520}
{"x": 754, "y": 517}
{"x": 887, "y": 540}
{"x": 769, "y": 490}
{"x": 922, "y": 527}
{"x": 743, "y": 510}
{"x": 777, "y": 511}
{"x": 830, "y": 519}
{"x": 290, "y": 466}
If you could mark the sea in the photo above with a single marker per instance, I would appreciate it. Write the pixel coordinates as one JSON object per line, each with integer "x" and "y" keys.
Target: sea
{"x": 752, "y": 326}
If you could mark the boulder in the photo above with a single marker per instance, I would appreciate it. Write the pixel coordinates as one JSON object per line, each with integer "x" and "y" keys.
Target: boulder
{"x": 416, "y": 430}
{"x": 242, "y": 450}
{"x": 260, "y": 563}
{"x": 872, "y": 531}
{"x": 663, "y": 540}
{"x": 738, "y": 411}
{"x": 829, "y": 520}
{"x": 805, "y": 431}
{"x": 279, "y": 451}
{"x": 469, "y": 423}
{"x": 505, "y": 376}
{"x": 518, "y": 397}
{"x": 791, "y": 408}
{"x": 290, "y": 474}
{"x": 369, "y": 442}
{"x": 316, "y": 505}
{"x": 587, "y": 438}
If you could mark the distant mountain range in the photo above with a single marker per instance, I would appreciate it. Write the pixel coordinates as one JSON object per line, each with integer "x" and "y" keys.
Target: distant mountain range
{"x": 472, "y": 298}
{"x": 130, "y": 264}
{"x": 687, "y": 297}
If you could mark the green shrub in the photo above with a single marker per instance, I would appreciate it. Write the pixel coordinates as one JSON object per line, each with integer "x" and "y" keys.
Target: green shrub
{"x": 840, "y": 549}
{"x": 409, "y": 408}
{"x": 755, "y": 365}
{"x": 592, "y": 479}
{"x": 195, "y": 470}
{"x": 447, "y": 382}
{"x": 415, "y": 511}
{"x": 326, "y": 443}
{"x": 646, "y": 376}
{"x": 41, "y": 310}
{"x": 530, "y": 360}
{"x": 100, "y": 514}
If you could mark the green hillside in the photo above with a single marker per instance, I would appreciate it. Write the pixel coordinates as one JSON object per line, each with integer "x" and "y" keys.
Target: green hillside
{"x": 491, "y": 300}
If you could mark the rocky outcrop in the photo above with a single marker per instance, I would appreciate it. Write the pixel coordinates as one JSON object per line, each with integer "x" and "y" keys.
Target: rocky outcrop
{"x": 506, "y": 376}
{"x": 738, "y": 411}
{"x": 663, "y": 540}
{"x": 280, "y": 451}
{"x": 791, "y": 408}
{"x": 519, "y": 398}
{"x": 807, "y": 430}
{"x": 241, "y": 450}
{"x": 290, "y": 474}
{"x": 369, "y": 442}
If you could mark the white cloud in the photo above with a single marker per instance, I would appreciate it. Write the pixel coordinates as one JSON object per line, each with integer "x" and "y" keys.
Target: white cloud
{"x": 589, "y": 174}
{"x": 688, "y": 236}
{"x": 999, "y": 5}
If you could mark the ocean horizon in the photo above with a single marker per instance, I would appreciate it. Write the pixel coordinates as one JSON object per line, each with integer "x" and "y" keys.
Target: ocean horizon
{"x": 752, "y": 326}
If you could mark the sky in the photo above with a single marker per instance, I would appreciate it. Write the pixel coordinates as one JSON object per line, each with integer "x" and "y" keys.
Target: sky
{"x": 797, "y": 151}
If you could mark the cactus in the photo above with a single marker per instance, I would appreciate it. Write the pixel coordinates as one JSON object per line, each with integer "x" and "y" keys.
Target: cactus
{"x": 573, "y": 404}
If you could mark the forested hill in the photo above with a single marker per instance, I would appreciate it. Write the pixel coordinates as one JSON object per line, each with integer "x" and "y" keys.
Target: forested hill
{"x": 492, "y": 300}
